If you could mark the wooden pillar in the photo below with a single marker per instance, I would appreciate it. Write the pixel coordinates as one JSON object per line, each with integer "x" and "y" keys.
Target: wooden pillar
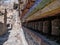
{"x": 19, "y": 7}
{"x": 5, "y": 22}
{"x": 55, "y": 27}
{"x": 1, "y": 24}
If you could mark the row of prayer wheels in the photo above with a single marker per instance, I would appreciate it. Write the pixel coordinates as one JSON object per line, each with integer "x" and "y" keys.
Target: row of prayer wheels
{"x": 51, "y": 27}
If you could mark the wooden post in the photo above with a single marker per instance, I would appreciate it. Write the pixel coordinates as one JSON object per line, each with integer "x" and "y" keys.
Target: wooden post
{"x": 5, "y": 21}
{"x": 56, "y": 27}
{"x": 19, "y": 6}
{"x": 3, "y": 27}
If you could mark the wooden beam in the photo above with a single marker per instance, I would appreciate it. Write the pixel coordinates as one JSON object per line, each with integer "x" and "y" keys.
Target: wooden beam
{"x": 44, "y": 15}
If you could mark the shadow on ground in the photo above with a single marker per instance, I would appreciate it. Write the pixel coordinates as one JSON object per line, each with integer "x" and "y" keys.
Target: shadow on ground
{"x": 5, "y": 36}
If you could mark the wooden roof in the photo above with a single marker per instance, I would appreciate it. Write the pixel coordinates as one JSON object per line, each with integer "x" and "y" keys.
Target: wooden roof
{"x": 28, "y": 5}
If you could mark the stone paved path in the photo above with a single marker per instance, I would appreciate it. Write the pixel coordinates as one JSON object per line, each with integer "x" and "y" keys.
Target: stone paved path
{"x": 16, "y": 36}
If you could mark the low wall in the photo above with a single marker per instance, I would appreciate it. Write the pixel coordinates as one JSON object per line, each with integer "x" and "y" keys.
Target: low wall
{"x": 34, "y": 38}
